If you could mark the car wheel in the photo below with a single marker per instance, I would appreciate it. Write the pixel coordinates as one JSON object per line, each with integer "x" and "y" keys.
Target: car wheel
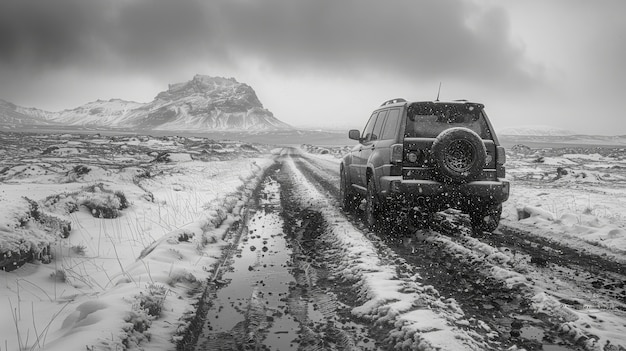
{"x": 459, "y": 154}
{"x": 371, "y": 205}
{"x": 486, "y": 220}
{"x": 346, "y": 195}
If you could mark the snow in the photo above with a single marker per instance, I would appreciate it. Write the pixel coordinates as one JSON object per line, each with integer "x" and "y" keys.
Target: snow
{"x": 167, "y": 240}
{"x": 387, "y": 297}
{"x": 182, "y": 107}
{"x": 586, "y": 213}
{"x": 582, "y": 205}
{"x": 160, "y": 248}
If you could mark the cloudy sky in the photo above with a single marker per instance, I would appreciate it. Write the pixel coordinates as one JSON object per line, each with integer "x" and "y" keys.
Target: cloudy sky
{"x": 328, "y": 63}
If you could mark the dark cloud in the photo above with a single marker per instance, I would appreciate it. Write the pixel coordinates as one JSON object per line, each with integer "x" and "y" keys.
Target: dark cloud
{"x": 136, "y": 35}
{"x": 448, "y": 38}
{"x": 167, "y": 32}
{"x": 35, "y": 33}
{"x": 426, "y": 39}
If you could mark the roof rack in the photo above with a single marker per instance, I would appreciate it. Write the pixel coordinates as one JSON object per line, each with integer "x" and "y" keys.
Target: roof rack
{"x": 393, "y": 101}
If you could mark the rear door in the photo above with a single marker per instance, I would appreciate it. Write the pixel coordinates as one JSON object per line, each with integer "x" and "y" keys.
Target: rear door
{"x": 370, "y": 144}
{"x": 360, "y": 153}
{"x": 381, "y": 159}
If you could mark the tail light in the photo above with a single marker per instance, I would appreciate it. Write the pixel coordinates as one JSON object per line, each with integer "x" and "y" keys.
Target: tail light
{"x": 396, "y": 153}
{"x": 501, "y": 159}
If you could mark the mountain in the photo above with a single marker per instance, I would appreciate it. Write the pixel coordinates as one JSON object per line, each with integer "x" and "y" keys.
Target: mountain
{"x": 535, "y": 130}
{"x": 15, "y": 116}
{"x": 201, "y": 104}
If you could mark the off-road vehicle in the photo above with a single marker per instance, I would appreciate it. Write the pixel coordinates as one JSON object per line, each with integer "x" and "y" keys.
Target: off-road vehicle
{"x": 418, "y": 158}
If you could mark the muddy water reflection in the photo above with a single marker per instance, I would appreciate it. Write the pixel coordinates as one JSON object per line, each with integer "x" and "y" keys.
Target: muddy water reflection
{"x": 251, "y": 311}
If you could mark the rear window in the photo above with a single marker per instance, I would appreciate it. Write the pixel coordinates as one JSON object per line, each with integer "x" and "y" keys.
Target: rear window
{"x": 427, "y": 120}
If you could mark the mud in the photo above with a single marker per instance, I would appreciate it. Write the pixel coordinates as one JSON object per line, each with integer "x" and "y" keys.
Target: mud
{"x": 272, "y": 292}
{"x": 280, "y": 289}
{"x": 250, "y": 306}
{"x": 483, "y": 298}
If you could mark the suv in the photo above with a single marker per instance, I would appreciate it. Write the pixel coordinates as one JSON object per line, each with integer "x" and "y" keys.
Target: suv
{"x": 423, "y": 157}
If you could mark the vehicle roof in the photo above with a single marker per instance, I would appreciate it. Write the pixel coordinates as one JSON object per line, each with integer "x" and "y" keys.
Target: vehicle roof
{"x": 435, "y": 102}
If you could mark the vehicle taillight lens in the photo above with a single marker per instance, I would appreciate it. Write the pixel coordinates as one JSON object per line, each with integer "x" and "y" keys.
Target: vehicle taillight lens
{"x": 396, "y": 153}
{"x": 501, "y": 156}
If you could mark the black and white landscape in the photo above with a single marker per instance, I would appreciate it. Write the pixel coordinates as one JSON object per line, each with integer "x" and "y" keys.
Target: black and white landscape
{"x": 169, "y": 176}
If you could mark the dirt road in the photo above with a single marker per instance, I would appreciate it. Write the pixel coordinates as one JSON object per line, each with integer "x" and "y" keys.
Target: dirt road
{"x": 302, "y": 275}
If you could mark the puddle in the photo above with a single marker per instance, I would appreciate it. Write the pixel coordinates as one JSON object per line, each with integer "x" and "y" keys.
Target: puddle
{"x": 252, "y": 308}
{"x": 532, "y": 333}
{"x": 537, "y": 334}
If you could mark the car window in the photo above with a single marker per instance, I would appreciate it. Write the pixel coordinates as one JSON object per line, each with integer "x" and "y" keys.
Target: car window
{"x": 367, "y": 132}
{"x": 390, "y": 130}
{"x": 378, "y": 127}
{"x": 427, "y": 121}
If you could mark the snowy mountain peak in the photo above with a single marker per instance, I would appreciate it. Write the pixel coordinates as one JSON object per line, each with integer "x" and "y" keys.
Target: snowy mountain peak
{"x": 202, "y": 104}
{"x": 224, "y": 93}
{"x": 198, "y": 85}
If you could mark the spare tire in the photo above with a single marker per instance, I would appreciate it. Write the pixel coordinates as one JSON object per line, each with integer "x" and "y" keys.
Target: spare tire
{"x": 459, "y": 155}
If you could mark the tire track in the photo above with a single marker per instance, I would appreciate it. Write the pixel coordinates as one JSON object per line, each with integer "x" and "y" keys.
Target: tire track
{"x": 499, "y": 302}
{"x": 326, "y": 320}
{"x": 604, "y": 275}
{"x": 293, "y": 311}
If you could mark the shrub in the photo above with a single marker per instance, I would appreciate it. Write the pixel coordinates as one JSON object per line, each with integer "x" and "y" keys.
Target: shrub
{"x": 79, "y": 250}
{"x": 64, "y": 202}
{"x": 80, "y": 170}
{"x": 53, "y": 224}
{"x": 162, "y": 157}
{"x": 50, "y": 150}
{"x": 33, "y": 212}
{"x": 104, "y": 203}
{"x": 59, "y": 275}
{"x": 100, "y": 209}
{"x": 123, "y": 200}
{"x": 152, "y": 302}
{"x": 136, "y": 330}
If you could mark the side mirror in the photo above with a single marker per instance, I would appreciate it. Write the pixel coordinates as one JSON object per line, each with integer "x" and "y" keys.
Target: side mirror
{"x": 354, "y": 134}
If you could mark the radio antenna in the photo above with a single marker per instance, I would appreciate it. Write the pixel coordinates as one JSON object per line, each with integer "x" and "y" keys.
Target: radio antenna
{"x": 438, "y": 91}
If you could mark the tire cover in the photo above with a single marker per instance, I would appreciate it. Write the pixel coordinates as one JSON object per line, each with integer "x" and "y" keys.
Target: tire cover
{"x": 459, "y": 155}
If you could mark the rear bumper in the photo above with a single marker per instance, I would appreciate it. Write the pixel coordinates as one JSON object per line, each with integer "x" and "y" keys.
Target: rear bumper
{"x": 481, "y": 190}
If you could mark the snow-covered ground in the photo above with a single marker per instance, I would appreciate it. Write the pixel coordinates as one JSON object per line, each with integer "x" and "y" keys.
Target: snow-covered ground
{"x": 570, "y": 195}
{"x": 424, "y": 321}
{"x": 114, "y": 282}
{"x": 574, "y": 197}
